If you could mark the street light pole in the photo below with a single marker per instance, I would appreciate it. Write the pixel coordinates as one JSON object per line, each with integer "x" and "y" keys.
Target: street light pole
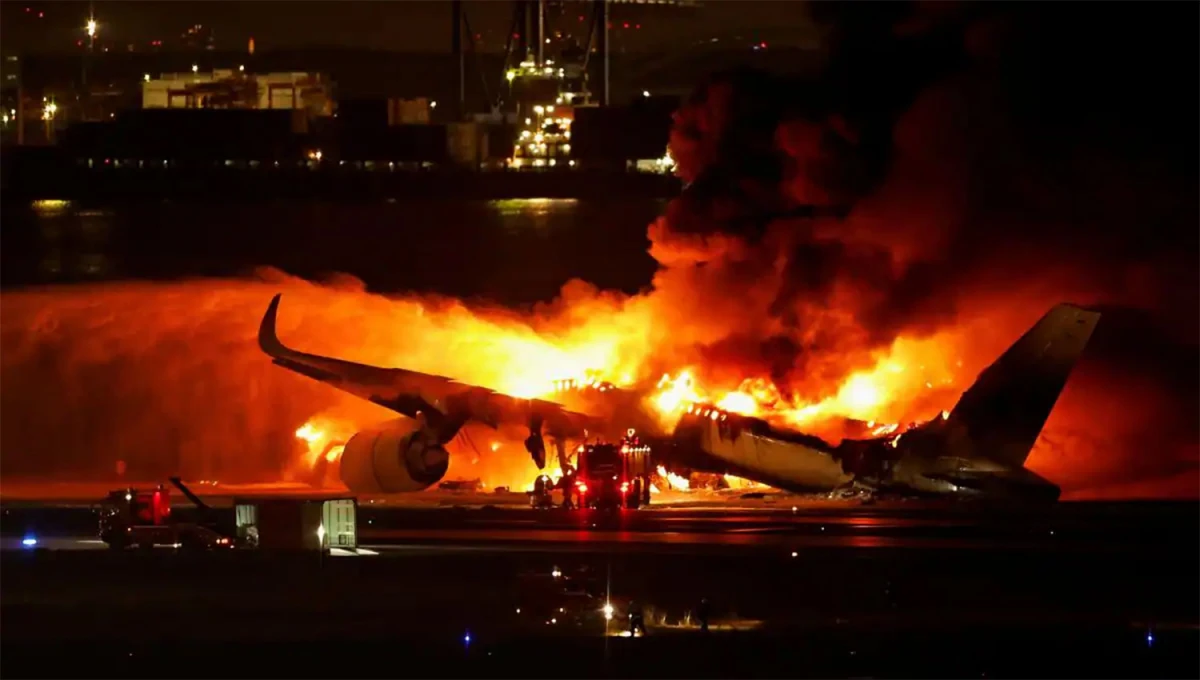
{"x": 90, "y": 27}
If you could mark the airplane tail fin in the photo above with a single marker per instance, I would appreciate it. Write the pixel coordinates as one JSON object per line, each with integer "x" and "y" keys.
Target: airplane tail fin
{"x": 1004, "y": 410}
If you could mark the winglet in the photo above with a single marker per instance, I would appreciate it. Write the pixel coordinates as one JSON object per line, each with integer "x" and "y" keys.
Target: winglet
{"x": 267, "y": 339}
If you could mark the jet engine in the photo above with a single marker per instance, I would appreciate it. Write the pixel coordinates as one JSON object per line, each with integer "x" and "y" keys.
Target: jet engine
{"x": 393, "y": 458}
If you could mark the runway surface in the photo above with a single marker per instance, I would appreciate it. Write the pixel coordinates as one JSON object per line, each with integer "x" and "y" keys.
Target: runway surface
{"x": 461, "y": 521}
{"x": 464, "y": 588}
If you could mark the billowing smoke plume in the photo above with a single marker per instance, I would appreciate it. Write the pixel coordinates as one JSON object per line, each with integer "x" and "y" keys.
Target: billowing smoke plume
{"x": 994, "y": 161}
{"x": 989, "y": 161}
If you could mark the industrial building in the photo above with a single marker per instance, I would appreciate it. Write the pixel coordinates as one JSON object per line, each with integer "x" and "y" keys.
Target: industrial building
{"x": 546, "y": 103}
{"x": 237, "y": 89}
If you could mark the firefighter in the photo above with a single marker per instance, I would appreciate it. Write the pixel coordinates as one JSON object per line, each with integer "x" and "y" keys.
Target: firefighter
{"x": 539, "y": 491}
{"x": 567, "y": 484}
{"x": 637, "y": 618}
{"x": 702, "y": 614}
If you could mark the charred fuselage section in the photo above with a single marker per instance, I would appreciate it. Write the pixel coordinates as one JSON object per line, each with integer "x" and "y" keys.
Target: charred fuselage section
{"x": 978, "y": 449}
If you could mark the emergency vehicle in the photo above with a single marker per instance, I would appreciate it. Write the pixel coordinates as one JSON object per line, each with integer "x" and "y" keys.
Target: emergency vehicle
{"x": 614, "y": 475}
{"x": 131, "y": 517}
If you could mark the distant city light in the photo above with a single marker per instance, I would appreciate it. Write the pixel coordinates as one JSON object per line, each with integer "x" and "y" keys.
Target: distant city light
{"x": 433, "y": 104}
{"x": 645, "y": 93}
{"x": 242, "y": 67}
{"x": 91, "y": 28}
{"x": 146, "y": 77}
{"x": 195, "y": 68}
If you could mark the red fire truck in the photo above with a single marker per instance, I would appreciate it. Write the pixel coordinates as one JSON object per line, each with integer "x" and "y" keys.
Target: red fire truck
{"x": 130, "y": 517}
{"x": 614, "y": 475}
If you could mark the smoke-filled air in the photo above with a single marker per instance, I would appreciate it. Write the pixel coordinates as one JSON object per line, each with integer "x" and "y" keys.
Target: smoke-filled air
{"x": 967, "y": 181}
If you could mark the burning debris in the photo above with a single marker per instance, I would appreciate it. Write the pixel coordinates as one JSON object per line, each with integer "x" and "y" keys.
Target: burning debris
{"x": 672, "y": 480}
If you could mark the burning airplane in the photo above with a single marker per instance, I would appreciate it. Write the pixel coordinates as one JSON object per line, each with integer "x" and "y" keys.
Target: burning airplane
{"x": 977, "y": 449}
{"x": 848, "y": 330}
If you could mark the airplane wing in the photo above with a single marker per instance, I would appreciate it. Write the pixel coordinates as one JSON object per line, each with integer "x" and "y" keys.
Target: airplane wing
{"x": 442, "y": 403}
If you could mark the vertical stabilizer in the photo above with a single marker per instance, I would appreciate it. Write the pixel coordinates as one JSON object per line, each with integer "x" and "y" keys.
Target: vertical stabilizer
{"x": 1004, "y": 410}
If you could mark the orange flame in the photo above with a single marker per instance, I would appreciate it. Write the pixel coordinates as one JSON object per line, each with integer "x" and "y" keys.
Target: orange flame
{"x": 323, "y": 437}
{"x": 911, "y": 382}
{"x": 136, "y": 331}
{"x": 673, "y": 480}
{"x": 740, "y": 483}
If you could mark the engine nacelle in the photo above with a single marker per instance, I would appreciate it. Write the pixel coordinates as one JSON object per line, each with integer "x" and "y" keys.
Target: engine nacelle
{"x": 392, "y": 459}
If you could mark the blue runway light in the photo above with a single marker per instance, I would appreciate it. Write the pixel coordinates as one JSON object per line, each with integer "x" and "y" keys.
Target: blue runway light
{"x": 1149, "y": 638}
{"x": 29, "y": 541}
{"x": 467, "y": 639}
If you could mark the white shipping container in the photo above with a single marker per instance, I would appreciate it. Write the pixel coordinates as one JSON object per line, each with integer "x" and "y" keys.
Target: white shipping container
{"x": 340, "y": 522}
{"x": 298, "y": 523}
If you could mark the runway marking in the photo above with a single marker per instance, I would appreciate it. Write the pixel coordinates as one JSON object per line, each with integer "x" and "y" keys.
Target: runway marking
{"x": 503, "y": 521}
{"x": 592, "y": 536}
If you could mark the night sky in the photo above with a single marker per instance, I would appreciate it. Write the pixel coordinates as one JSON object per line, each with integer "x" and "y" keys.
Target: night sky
{"x": 400, "y": 26}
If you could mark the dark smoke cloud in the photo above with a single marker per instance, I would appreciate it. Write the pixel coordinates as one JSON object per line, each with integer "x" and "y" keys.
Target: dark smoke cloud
{"x": 990, "y": 156}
